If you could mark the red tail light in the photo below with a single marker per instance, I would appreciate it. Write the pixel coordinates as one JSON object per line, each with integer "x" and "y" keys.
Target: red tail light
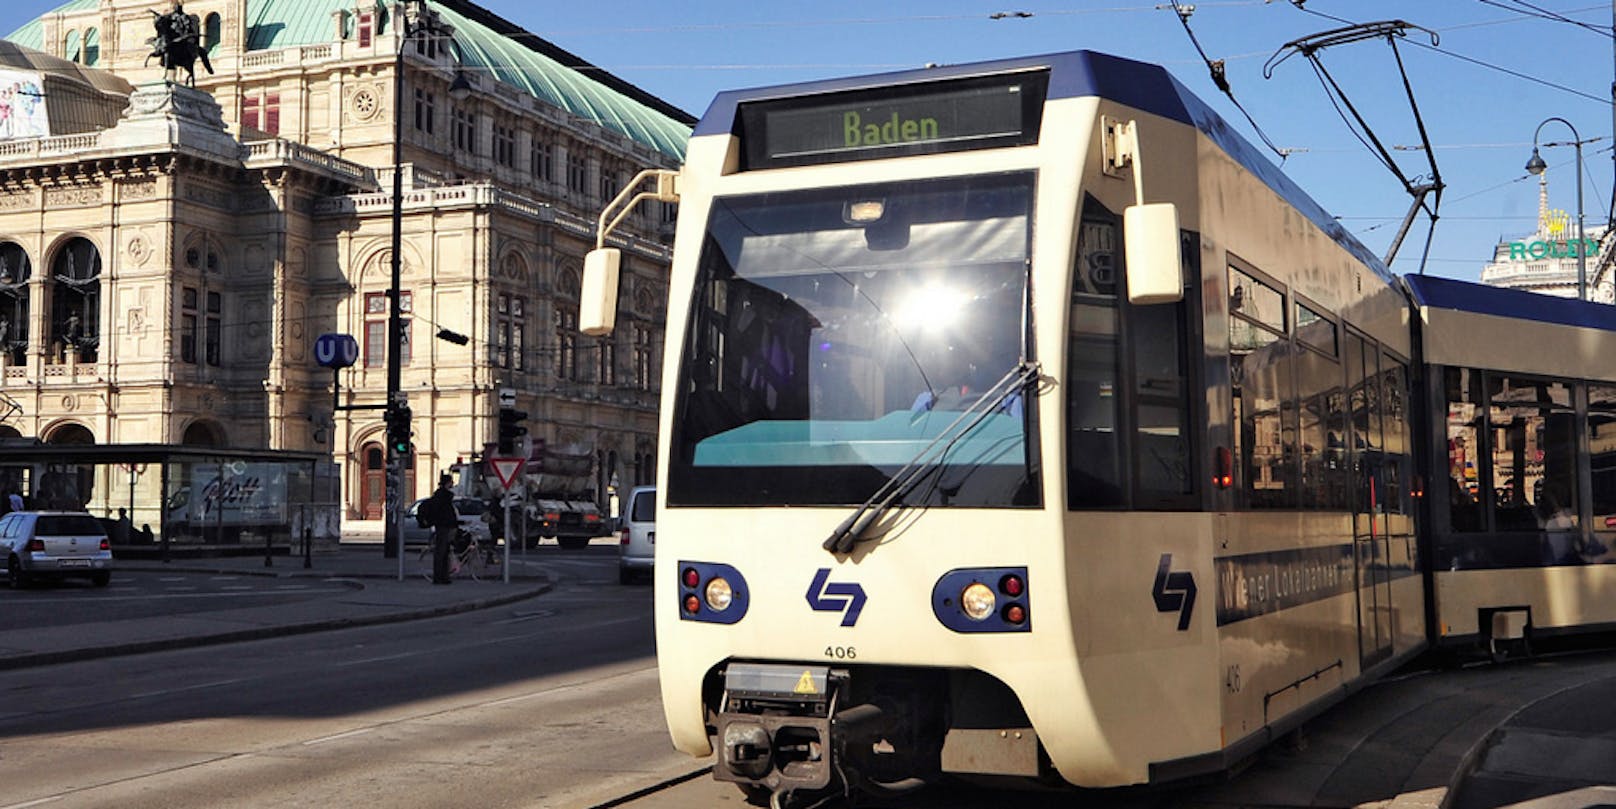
{"x": 622, "y": 537}
{"x": 591, "y": 518}
{"x": 105, "y": 545}
{"x": 1011, "y": 585}
{"x": 36, "y": 545}
{"x": 1223, "y": 468}
{"x": 553, "y": 516}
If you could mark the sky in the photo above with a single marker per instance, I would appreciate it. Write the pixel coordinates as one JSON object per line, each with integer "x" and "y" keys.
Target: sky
{"x": 1484, "y": 75}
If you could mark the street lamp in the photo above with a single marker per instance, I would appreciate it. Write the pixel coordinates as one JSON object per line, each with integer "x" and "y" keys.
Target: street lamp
{"x": 1536, "y": 166}
{"x": 415, "y": 22}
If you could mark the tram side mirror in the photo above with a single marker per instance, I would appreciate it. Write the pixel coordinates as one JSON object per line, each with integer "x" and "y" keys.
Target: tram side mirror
{"x": 597, "y": 300}
{"x": 1150, "y": 241}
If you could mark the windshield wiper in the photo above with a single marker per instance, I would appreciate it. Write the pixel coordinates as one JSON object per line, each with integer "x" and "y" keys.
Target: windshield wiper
{"x": 891, "y": 493}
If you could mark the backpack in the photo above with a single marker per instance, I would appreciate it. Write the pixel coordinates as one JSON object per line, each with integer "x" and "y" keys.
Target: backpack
{"x": 420, "y": 517}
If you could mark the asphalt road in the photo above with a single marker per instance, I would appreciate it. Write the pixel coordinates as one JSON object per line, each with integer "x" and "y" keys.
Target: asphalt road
{"x": 550, "y": 702}
{"x": 553, "y": 702}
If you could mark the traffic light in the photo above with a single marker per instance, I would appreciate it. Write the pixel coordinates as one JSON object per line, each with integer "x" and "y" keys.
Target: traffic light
{"x": 510, "y": 429}
{"x": 398, "y": 430}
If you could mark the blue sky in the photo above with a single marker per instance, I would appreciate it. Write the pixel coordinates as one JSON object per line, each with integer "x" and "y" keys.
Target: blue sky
{"x": 1493, "y": 76}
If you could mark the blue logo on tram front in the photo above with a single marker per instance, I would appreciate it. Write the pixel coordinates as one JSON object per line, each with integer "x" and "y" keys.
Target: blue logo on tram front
{"x": 826, "y": 597}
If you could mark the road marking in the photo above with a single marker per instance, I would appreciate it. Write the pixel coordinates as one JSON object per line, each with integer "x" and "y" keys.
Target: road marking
{"x": 182, "y": 689}
{"x": 223, "y": 578}
{"x": 335, "y": 736}
{"x": 179, "y": 589}
{"x": 235, "y": 587}
{"x": 352, "y": 663}
{"x": 35, "y": 802}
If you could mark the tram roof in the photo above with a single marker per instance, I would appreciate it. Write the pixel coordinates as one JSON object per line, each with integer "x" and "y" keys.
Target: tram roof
{"x": 1076, "y": 74}
{"x": 1466, "y": 296}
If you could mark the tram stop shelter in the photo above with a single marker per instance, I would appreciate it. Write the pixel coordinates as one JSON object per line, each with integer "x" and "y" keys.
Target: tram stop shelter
{"x": 160, "y": 500}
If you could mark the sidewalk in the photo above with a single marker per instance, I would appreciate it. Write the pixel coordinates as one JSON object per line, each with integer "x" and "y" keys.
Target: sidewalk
{"x": 1558, "y": 752}
{"x": 376, "y": 597}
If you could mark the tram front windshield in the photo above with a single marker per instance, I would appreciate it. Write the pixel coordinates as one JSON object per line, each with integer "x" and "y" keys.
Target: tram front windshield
{"x": 836, "y": 333}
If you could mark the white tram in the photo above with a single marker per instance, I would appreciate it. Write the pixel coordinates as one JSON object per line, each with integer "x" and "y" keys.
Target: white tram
{"x": 1019, "y": 419}
{"x": 1522, "y": 529}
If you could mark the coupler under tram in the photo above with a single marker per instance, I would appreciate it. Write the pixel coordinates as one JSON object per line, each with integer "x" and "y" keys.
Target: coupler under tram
{"x": 784, "y": 730}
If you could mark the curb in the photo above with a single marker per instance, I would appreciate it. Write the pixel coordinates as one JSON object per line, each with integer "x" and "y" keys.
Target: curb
{"x": 261, "y": 633}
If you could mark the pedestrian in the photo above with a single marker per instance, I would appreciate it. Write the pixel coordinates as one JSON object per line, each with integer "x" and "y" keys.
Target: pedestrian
{"x": 15, "y": 499}
{"x": 440, "y": 509}
{"x": 123, "y": 530}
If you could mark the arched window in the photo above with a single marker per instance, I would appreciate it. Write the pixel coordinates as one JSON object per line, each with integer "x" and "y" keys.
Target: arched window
{"x": 15, "y": 270}
{"x": 92, "y": 47}
{"x": 76, "y": 300}
{"x": 203, "y": 434}
{"x": 211, "y": 33}
{"x": 70, "y": 46}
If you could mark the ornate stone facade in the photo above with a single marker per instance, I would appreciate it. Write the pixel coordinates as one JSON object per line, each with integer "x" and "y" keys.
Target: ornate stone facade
{"x": 177, "y": 267}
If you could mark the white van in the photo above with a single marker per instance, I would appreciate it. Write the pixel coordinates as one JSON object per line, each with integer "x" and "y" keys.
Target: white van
{"x": 636, "y": 549}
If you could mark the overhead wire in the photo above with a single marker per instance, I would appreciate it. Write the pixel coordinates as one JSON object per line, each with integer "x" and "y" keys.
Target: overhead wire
{"x": 1545, "y": 14}
{"x": 1220, "y": 78}
{"x": 1461, "y": 57}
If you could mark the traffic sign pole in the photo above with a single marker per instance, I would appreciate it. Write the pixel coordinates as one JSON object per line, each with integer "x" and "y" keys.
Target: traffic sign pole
{"x": 507, "y": 511}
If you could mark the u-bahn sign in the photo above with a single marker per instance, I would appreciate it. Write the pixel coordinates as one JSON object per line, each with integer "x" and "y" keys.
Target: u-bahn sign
{"x": 336, "y": 350}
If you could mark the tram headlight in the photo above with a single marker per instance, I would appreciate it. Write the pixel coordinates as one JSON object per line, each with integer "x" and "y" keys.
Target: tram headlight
{"x": 978, "y": 601}
{"x": 983, "y": 599}
{"x": 711, "y": 592}
{"x": 719, "y": 594}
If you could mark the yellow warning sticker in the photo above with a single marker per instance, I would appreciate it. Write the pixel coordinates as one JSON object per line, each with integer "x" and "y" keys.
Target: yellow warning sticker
{"x": 805, "y": 684}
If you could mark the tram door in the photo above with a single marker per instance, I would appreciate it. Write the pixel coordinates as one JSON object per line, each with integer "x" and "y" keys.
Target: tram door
{"x": 1371, "y": 548}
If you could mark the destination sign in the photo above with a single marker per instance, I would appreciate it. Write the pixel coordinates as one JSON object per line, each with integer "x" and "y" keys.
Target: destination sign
{"x": 976, "y": 113}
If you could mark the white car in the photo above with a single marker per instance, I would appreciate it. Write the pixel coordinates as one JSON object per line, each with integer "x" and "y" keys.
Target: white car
{"x": 55, "y": 544}
{"x": 471, "y": 521}
{"x": 636, "y": 548}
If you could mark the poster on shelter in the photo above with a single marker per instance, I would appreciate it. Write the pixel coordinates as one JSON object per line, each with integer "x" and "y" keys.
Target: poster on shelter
{"x": 22, "y": 106}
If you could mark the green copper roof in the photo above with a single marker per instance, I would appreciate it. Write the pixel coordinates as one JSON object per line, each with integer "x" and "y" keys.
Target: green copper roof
{"x": 484, "y": 43}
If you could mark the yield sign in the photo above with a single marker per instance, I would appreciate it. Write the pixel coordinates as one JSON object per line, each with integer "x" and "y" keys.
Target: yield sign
{"x": 506, "y": 468}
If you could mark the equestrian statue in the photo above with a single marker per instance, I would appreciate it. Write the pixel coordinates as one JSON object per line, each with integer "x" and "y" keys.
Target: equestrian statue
{"x": 178, "y": 44}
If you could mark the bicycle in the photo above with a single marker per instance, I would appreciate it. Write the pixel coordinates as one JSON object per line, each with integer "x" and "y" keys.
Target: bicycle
{"x": 467, "y": 557}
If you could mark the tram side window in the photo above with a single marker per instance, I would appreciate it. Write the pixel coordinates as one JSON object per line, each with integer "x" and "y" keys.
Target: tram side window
{"x": 1322, "y": 422}
{"x": 1094, "y": 452}
{"x": 1399, "y": 464}
{"x": 1532, "y": 432}
{"x": 1260, "y": 386}
{"x": 1602, "y": 454}
{"x": 1161, "y": 403}
{"x": 1363, "y": 379}
{"x": 1463, "y": 395}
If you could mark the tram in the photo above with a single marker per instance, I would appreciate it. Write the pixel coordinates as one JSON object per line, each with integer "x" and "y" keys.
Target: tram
{"x": 1522, "y": 530}
{"x": 1020, "y": 421}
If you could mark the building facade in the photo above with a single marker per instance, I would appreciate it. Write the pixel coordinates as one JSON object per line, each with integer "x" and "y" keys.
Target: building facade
{"x": 168, "y": 256}
{"x": 1545, "y": 260}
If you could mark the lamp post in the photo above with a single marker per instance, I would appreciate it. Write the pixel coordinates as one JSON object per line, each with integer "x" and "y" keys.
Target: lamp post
{"x": 414, "y": 22}
{"x": 1536, "y": 166}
